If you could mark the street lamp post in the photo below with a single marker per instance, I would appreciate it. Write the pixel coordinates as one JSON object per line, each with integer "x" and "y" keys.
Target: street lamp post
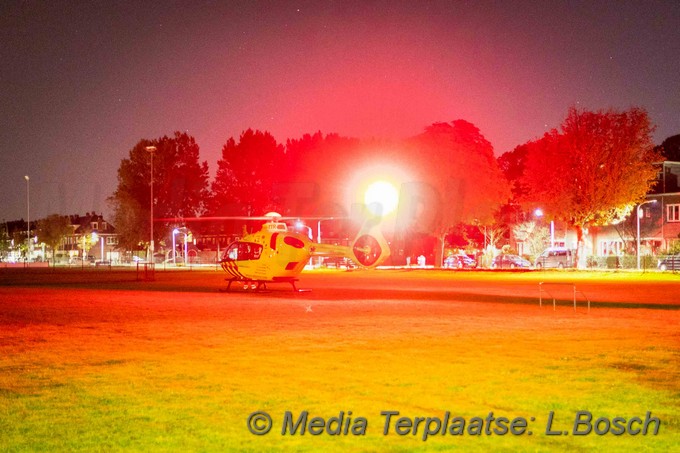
{"x": 539, "y": 213}
{"x": 101, "y": 248}
{"x": 174, "y": 247}
{"x": 637, "y": 212}
{"x": 301, "y": 225}
{"x": 151, "y": 150}
{"x": 186, "y": 250}
{"x": 28, "y": 219}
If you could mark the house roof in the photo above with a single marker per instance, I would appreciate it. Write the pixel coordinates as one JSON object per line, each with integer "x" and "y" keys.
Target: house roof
{"x": 84, "y": 224}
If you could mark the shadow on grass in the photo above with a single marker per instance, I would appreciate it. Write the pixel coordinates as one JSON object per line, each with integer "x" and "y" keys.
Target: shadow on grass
{"x": 203, "y": 281}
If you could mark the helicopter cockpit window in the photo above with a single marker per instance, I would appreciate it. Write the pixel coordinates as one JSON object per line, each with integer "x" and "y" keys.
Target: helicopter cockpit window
{"x": 243, "y": 251}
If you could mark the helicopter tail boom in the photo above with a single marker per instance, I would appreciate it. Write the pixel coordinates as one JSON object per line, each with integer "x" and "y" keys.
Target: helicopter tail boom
{"x": 369, "y": 249}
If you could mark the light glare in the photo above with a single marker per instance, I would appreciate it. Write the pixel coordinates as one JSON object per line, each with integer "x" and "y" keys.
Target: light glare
{"x": 381, "y": 198}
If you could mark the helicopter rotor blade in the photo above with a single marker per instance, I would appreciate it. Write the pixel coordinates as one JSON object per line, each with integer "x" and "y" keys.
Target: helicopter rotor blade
{"x": 218, "y": 218}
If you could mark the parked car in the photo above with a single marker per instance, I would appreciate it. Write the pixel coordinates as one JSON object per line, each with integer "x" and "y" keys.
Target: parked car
{"x": 459, "y": 261}
{"x": 671, "y": 262}
{"x": 82, "y": 261}
{"x": 559, "y": 257}
{"x": 338, "y": 262}
{"x": 510, "y": 262}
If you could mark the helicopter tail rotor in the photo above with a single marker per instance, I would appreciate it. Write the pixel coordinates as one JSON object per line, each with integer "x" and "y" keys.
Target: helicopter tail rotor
{"x": 369, "y": 249}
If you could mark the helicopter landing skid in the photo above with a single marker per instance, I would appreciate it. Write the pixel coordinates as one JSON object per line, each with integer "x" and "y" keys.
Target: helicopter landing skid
{"x": 261, "y": 285}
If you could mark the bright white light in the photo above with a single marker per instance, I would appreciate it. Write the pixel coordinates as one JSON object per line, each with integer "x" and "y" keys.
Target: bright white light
{"x": 381, "y": 197}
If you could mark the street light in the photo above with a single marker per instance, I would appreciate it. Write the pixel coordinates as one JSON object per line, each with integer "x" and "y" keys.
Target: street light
{"x": 101, "y": 248}
{"x": 151, "y": 150}
{"x": 28, "y": 219}
{"x": 186, "y": 234}
{"x": 539, "y": 213}
{"x": 299, "y": 225}
{"x": 186, "y": 250}
{"x": 174, "y": 249}
{"x": 637, "y": 211}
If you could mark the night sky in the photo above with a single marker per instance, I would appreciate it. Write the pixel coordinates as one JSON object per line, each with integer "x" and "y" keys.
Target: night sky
{"x": 83, "y": 83}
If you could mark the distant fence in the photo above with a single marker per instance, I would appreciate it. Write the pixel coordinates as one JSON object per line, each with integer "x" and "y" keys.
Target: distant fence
{"x": 622, "y": 262}
{"x": 25, "y": 264}
{"x": 146, "y": 271}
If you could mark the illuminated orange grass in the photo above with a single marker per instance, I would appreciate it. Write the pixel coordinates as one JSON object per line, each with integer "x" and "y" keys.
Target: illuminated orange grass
{"x": 182, "y": 370}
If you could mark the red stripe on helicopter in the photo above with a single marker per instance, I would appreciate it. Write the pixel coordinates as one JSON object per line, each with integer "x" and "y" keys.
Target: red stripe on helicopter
{"x": 232, "y": 268}
{"x": 226, "y": 265}
{"x": 237, "y": 273}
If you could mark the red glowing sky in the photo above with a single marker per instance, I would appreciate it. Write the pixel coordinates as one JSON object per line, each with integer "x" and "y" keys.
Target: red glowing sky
{"x": 83, "y": 83}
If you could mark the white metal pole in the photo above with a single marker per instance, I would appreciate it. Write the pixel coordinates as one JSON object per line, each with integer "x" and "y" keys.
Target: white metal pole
{"x": 637, "y": 213}
{"x": 151, "y": 150}
{"x": 174, "y": 247}
{"x": 186, "y": 257}
{"x": 28, "y": 219}
{"x": 637, "y": 248}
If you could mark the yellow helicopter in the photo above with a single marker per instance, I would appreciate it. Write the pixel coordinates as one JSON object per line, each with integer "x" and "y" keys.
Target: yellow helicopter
{"x": 275, "y": 254}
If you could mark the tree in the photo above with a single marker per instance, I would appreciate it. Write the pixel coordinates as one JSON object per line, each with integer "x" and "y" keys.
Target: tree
{"x": 180, "y": 188}
{"x": 493, "y": 234}
{"x": 5, "y": 241}
{"x": 512, "y": 165}
{"x": 594, "y": 170}
{"x": 52, "y": 229}
{"x": 536, "y": 238}
{"x": 86, "y": 241}
{"x": 246, "y": 175}
{"x": 463, "y": 236}
{"x": 670, "y": 148}
{"x": 459, "y": 165}
{"x": 627, "y": 230}
{"x": 316, "y": 171}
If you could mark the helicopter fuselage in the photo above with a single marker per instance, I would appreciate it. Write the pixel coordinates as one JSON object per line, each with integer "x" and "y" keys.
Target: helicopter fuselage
{"x": 276, "y": 254}
{"x": 271, "y": 253}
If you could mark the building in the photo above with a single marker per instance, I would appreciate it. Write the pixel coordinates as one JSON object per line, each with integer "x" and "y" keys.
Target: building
{"x": 659, "y": 223}
{"x": 93, "y": 239}
{"x": 667, "y": 193}
{"x": 659, "y": 220}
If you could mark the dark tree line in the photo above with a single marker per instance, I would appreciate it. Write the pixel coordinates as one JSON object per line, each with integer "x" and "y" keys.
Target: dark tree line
{"x": 455, "y": 180}
{"x": 180, "y": 185}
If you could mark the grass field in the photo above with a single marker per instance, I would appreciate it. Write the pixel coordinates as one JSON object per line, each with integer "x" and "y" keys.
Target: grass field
{"x": 100, "y": 361}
